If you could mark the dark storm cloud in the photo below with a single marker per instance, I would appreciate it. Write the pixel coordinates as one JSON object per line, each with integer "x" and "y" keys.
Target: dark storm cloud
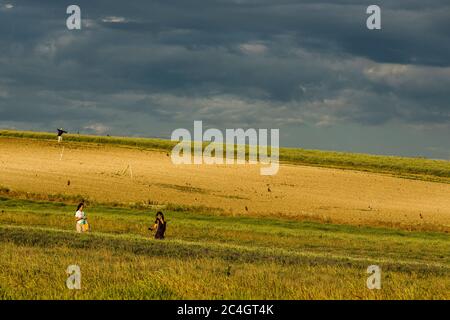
{"x": 242, "y": 62}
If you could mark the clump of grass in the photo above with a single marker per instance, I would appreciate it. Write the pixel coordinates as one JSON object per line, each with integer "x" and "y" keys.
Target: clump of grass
{"x": 44, "y": 197}
{"x": 193, "y": 208}
{"x": 182, "y": 188}
{"x": 4, "y": 190}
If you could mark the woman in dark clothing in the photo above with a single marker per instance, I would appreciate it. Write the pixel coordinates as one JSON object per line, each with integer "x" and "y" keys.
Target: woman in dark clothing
{"x": 159, "y": 226}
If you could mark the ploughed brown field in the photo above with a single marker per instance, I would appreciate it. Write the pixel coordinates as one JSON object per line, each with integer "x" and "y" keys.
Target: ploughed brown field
{"x": 110, "y": 173}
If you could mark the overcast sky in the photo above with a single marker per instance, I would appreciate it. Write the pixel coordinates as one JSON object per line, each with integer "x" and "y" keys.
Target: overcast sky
{"x": 310, "y": 68}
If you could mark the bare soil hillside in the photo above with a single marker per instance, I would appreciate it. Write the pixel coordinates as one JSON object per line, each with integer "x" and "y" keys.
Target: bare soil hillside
{"x": 111, "y": 173}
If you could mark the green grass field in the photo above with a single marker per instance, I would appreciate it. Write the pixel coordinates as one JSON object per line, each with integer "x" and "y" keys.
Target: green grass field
{"x": 209, "y": 256}
{"x": 412, "y": 168}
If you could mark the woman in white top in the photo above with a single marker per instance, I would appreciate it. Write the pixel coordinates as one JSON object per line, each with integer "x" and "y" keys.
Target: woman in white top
{"x": 81, "y": 219}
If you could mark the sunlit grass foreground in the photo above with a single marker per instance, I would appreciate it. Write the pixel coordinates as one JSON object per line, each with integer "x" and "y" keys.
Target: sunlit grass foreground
{"x": 210, "y": 257}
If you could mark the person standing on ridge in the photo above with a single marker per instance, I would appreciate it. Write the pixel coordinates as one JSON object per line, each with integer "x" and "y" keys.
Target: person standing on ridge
{"x": 61, "y": 131}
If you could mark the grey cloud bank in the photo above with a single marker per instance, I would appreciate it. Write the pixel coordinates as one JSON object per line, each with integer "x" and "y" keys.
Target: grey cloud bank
{"x": 310, "y": 68}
